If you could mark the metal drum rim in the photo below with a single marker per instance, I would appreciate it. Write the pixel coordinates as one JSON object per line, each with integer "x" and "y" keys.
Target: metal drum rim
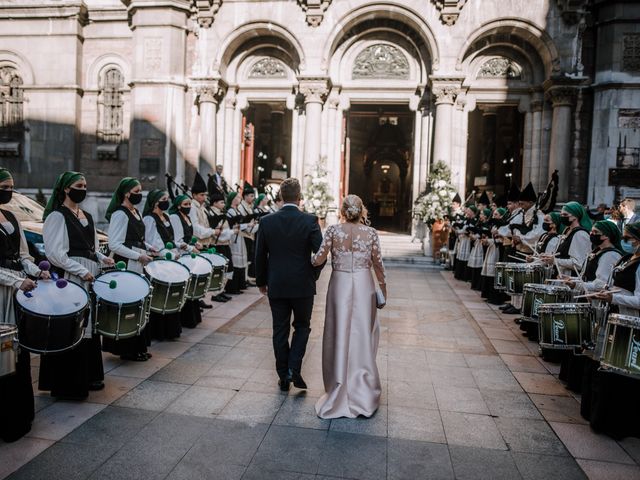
{"x": 545, "y": 288}
{"x": 165, "y": 260}
{"x": 548, "y": 307}
{"x": 624, "y": 320}
{"x": 38, "y": 314}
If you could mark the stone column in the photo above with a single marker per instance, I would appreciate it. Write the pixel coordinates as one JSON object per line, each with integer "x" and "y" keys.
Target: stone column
{"x": 536, "y": 144}
{"x": 561, "y": 98}
{"x": 333, "y": 137}
{"x": 444, "y": 99}
{"x": 314, "y": 90}
{"x": 228, "y": 159}
{"x": 208, "y": 94}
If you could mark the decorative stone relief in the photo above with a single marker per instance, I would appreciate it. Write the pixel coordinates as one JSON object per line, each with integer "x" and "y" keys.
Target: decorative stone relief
{"x": 268, "y": 68}
{"x": 314, "y": 89}
{"x": 209, "y": 91}
{"x": 381, "y": 61}
{"x": 11, "y": 105}
{"x": 315, "y": 10}
{"x": 629, "y": 118}
{"x": 445, "y": 93}
{"x": 500, "y": 67}
{"x": 205, "y": 11}
{"x": 152, "y": 48}
{"x": 449, "y": 10}
{"x": 561, "y": 96}
{"x": 631, "y": 52}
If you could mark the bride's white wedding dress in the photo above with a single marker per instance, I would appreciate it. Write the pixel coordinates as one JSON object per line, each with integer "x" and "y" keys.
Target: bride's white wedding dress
{"x": 351, "y": 328}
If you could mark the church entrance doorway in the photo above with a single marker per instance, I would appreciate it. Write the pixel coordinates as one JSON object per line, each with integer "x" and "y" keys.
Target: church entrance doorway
{"x": 379, "y": 162}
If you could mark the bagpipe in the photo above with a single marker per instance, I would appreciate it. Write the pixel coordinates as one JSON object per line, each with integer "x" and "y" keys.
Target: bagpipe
{"x": 174, "y": 188}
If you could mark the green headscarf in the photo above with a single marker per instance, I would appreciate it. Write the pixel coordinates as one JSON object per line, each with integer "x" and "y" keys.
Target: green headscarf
{"x": 5, "y": 174}
{"x": 555, "y": 218}
{"x": 125, "y": 186}
{"x": 610, "y": 230}
{"x": 633, "y": 229}
{"x": 175, "y": 206}
{"x": 230, "y": 198}
{"x": 258, "y": 199}
{"x": 578, "y": 211}
{"x": 63, "y": 181}
{"x": 502, "y": 211}
{"x": 487, "y": 212}
{"x": 473, "y": 208}
{"x": 152, "y": 199}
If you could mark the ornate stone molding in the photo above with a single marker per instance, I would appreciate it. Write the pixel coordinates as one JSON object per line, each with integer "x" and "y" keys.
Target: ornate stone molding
{"x": 231, "y": 99}
{"x": 315, "y": 10}
{"x": 500, "y": 67}
{"x": 561, "y": 95}
{"x": 268, "y": 67}
{"x": 334, "y": 99}
{"x": 449, "y": 10}
{"x": 381, "y": 61}
{"x": 205, "y": 11}
{"x": 209, "y": 90}
{"x": 314, "y": 89}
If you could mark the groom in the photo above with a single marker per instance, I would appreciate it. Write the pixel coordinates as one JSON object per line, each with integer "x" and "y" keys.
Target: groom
{"x": 285, "y": 242}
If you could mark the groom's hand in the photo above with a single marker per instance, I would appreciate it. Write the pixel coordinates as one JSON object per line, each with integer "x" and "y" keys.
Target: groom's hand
{"x": 263, "y": 289}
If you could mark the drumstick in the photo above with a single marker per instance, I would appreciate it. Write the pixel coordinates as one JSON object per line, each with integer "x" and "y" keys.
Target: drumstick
{"x": 593, "y": 294}
{"x": 516, "y": 258}
{"x": 112, "y": 283}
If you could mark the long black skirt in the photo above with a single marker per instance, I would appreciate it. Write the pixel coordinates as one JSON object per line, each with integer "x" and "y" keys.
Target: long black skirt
{"x": 614, "y": 405}
{"x": 127, "y": 346}
{"x": 165, "y": 326}
{"x": 572, "y": 370}
{"x": 476, "y": 278}
{"x": 190, "y": 315}
{"x": 68, "y": 374}
{"x": 251, "y": 271}
{"x": 16, "y": 400}
{"x": 460, "y": 267}
{"x": 237, "y": 282}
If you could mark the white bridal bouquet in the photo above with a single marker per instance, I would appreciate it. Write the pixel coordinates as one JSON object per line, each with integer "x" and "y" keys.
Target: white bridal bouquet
{"x": 317, "y": 196}
{"x": 433, "y": 203}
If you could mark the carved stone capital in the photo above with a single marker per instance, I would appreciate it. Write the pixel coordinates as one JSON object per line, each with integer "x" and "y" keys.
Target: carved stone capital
{"x": 446, "y": 94}
{"x": 314, "y": 89}
{"x": 449, "y": 10}
{"x": 314, "y": 10}
{"x": 561, "y": 96}
{"x": 205, "y": 11}
{"x": 209, "y": 91}
{"x": 230, "y": 99}
{"x": 334, "y": 99}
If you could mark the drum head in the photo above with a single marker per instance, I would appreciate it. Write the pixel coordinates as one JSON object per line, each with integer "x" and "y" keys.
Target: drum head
{"x": 215, "y": 259}
{"x": 48, "y": 299}
{"x": 168, "y": 271}
{"x": 130, "y": 287}
{"x": 197, "y": 265}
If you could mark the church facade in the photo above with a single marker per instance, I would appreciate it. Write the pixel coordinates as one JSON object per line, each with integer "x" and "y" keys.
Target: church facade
{"x": 502, "y": 91}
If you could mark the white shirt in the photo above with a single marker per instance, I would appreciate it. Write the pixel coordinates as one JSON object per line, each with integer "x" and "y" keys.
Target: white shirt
{"x": 200, "y": 231}
{"x": 603, "y": 272}
{"x": 517, "y": 217}
{"x": 532, "y": 236}
{"x": 629, "y": 302}
{"x": 118, "y": 233}
{"x": 578, "y": 252}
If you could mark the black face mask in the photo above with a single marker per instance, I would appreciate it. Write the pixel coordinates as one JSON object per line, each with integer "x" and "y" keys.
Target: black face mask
{"x": 596, "y": 240}
{"x": 77, "y": 195}
{"x": 163, "y": 205}
{"x": 185, "y": 210}
{"x": 5, "y": 196}
{"x": 135, "y": 198}
{"x": 546, "y": 227}
{"x": 565, "y": 221}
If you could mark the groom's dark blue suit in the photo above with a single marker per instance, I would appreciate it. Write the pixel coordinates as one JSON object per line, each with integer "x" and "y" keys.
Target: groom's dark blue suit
{"x": 284, "y": 245}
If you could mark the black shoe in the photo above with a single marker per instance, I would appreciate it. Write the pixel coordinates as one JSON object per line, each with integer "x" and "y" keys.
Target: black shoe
{"x": 285, "y": 384}
{"x": 96, "y": 386}
{"x": 298, "y": 381}
{"x": 506, "y": 307}
{"x": 511, "y": 311}
{"x": 219, "y": 298}
{"x": 204, "y": 304}
{"x": 226, "y": 297}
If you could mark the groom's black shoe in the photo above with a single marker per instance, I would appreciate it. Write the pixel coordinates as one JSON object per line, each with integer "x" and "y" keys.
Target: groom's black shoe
{"x": 298, "y": 381}
{"x": 284, "y": 384}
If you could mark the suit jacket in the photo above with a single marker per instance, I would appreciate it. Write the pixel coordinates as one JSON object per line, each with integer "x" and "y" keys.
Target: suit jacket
{"x": 634, "y": 219}
{"x": 284, "y": 244}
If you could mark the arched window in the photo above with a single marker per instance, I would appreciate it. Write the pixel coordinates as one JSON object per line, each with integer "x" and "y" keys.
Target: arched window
{"x": 11, "y": 103}
{"x": 110, "y": 103}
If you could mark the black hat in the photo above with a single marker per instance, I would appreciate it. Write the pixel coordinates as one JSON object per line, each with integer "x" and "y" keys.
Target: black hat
{"x": 457, "y": 199}
{"x": 514, "y": 194}
{"x": 216, "y": 196}
{"x": 500, "y": 200}
{"x": 484, "y": 198}
{"x": 528, "y": 194}
{"x": 247, "y": 189}
{"x": 198, "y": 184}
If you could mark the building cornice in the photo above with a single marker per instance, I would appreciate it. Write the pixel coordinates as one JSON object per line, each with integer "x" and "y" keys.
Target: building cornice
{"x": 38, "y": 9}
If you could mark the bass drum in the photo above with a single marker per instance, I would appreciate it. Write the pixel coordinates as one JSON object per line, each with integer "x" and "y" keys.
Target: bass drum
{"x": 52, "y": 319}
{"x": 218, "y": 276}
{"x": 123, "y": 311}
{"x": 201, "y": 270}
{"x": 169, "y": 280}
{"x": 8, "y": 349}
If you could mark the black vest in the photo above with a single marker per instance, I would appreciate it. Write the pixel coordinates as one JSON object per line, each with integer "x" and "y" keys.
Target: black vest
{"x": 187, "y": 228}
{"x": 593, "y": 259}
{"x": 165, "y": 232}
{"x": 544, "y": 241}
{"x": 82, "y": 240}
{"x": 624, "y": 273}
{"x": 10, "y": 244}
{"x": 565, "y": 244}
{"x": 135, "y": 230}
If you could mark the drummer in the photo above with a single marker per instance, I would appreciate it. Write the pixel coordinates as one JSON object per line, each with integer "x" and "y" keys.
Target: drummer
{"x": 492, "y": 256}
{"x": 71, "y": 244}
{"x": 237, "y": 245}
{"x": 575, "y": 244}
{"x": 515, "y": 218}
{"x": 476, "y": 257}
{"x": 126, "y": 241}
{"x": 463, "y": 245}
{"x": 245, "y": 208}
{"x": 550, "y": 239}
{"x": 158, "y": 232}
{"x": 222, "y": 240}
{"x": 180, "y": 211}
{"x": 16, "y": 398}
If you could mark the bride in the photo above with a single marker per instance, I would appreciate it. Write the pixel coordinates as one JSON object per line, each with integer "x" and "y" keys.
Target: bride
{"x": 351, "y": 329}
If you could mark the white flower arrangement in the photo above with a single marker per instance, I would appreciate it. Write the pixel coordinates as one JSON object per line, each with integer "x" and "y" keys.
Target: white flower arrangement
{"x": 317, "y": 190}
{"x": 433, "y": 204}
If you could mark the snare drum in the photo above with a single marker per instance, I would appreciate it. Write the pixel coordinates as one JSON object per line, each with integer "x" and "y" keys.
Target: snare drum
{"x": 517, "y": 274}
{"x": 51, "y": 319}
{"x": 537, "y": 294}
{"x": 498, "y": 279}
{"x": 201, "y": 270}
{"x": 218, "y": 276}
{"x": 8, "y": 349}
{"x": 622, "y": 345}
{"x": 169, "y": 280}
{"x": 121, "y": 312}
{"x": 565, "y": 326}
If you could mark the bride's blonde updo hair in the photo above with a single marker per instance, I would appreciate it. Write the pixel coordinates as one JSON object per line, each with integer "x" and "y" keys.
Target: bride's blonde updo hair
{"x": 353, "y": 210}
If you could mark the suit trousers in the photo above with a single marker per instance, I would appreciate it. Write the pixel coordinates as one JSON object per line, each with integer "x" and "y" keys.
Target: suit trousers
{"x": 289, "y": 356}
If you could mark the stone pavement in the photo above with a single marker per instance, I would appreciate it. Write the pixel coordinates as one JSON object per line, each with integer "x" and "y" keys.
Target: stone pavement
{"x": 464, "y": 396}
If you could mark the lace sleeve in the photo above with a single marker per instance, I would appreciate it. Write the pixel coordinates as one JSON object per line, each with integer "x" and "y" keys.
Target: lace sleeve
{"x": 376, "y": 259}
{"x": 327, "y": 242}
